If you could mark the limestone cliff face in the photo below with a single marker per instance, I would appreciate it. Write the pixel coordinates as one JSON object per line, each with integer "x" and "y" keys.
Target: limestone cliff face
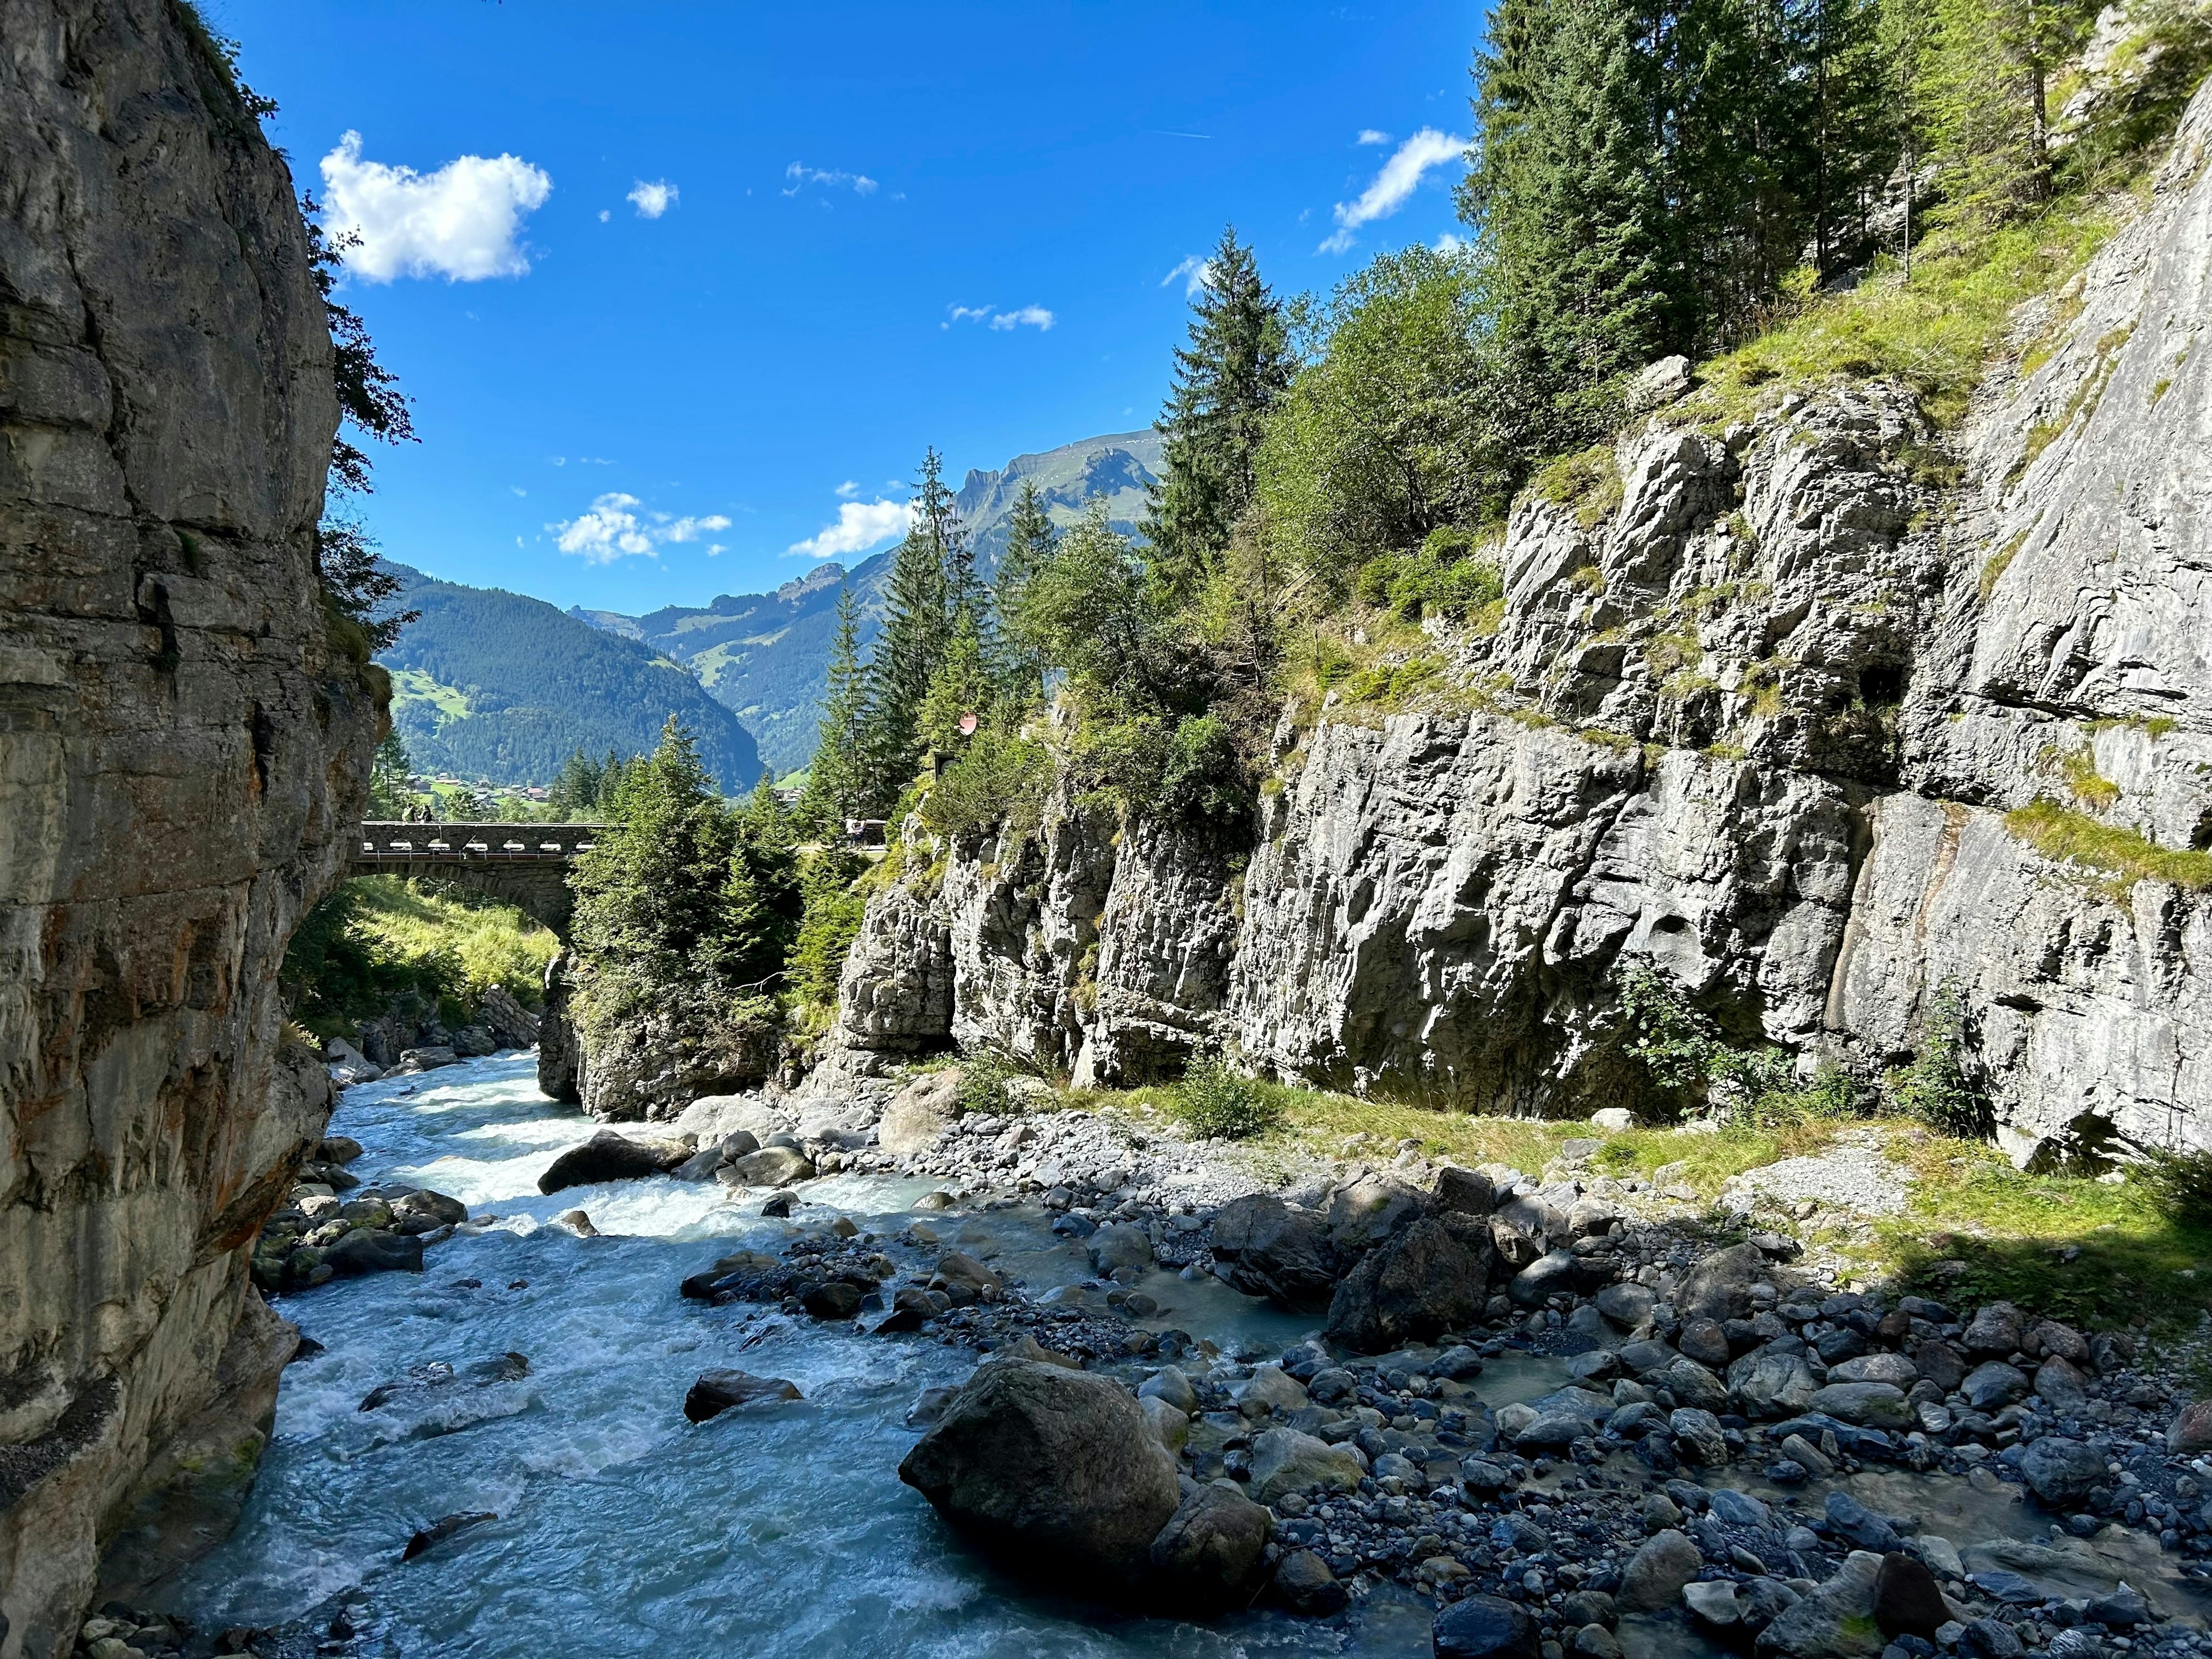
{"x": 1756, "y": 709}
{"x": 182, "y": 747}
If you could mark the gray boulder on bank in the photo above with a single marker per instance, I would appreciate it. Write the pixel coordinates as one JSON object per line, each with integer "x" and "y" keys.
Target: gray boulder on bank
{"x": 1431, "y": 1278}
{"x": 1264, "y": 1247}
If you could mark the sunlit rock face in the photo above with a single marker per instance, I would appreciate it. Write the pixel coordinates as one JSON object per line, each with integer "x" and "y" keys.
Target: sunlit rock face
{"x": 184, "y": 745}
{"x": 1755, "y": 709}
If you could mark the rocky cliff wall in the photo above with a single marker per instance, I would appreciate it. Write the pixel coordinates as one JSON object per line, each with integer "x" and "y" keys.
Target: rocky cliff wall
{"x": 1765, "y": 686}
{"x": 182, "y": 746}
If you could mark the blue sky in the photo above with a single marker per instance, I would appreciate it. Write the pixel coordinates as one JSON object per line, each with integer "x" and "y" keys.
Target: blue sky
{"x": 883, "y": 227}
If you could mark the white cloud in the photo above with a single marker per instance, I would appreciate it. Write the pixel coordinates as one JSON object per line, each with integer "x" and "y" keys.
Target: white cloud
{"x": 612, "y": 528}
{"x": 1400, "y": 177}
{"x": 463, "y": 222}
{"x": 653, "y": 199}
{"x": 847, "y": 490}
{"x": 1036, "y": 316}
{"x": 861, "y": 525}
{"x": 1449, "y": 243}
{"x": 1196, "y": 272}
{"x": 606, "y": 215}
{"x": 1372, "y": 136}
{"x": 801, "y": 175}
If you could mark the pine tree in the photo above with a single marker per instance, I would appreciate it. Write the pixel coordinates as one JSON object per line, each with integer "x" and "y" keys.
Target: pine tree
{"x": 1238, "y": 362}
{"x": 959, "y": 692}
{"x": 1030, "y": 540}
{"x": 1567, "y": 196}
{"x": 932, "y": 580}
{"x": 834, "y": 778}
{"x": 1985, "y": 88}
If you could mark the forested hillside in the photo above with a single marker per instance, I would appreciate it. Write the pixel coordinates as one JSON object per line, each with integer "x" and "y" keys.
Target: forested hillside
{"x": 493, "y": 685}
{"x": 765, "y": 655}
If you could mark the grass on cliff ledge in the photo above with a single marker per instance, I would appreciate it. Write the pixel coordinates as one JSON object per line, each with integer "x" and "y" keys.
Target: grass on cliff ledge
{"x": 2097, "y": 1254}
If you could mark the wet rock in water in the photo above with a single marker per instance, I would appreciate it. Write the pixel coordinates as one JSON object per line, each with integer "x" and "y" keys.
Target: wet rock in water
{"x": 1485, "y": 1627}
{"x": 929, "y": 1407}
{"x": 1118, "y": 1244}
{"x": 965, "y": 1280}
{"x": 1655, "y": 1575}
{"x": 440, "y": 1530}
{"x": 1211, "y": 1551}
{"x": 2062, "y": 1472}
{"x": 1057, "y": 1469}
{"x": 835, "y": 1300}
{"x": 1547, "y": 1276}
{"x": 424, "y": 1211}
{"x": 1271, "y": 1389}
{"x": 1264, "y": 1247}
{"x": 700, "y": 1166}
{"x": 930, "y": 1201}
{"x": 1172, "y": 1426}
{"x": 1431, "y": 1277}
{"x": 1285, "y": 1461}
{"x": 344, "y": 1149}
{"x": 716, "y": 1392}
{"x": 608, "y": 1156}
{"x": 779, "y": 1207}
{"x": 771, "y": 1166}
{"x": 577, "y": 1222}
{"x": 1303, "y": 1583}
{"x": 439, "y": 1378}
{"x": 1907, "y": 1600}
{"x": 1836, "y": 1622}
{"x": 359, "y": 1252}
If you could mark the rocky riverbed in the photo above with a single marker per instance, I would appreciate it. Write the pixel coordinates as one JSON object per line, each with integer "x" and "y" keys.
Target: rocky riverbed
{"x": 1394, "y": 1408}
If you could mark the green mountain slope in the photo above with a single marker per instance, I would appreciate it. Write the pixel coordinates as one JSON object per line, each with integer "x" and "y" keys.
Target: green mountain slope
{"x": 491, "y": 685}
{"x": 764, "y": 655}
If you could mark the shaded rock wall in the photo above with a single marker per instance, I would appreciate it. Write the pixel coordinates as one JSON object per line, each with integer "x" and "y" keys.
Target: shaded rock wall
{"x": 183, "y": 747}
{"x": 1756, "y": 712}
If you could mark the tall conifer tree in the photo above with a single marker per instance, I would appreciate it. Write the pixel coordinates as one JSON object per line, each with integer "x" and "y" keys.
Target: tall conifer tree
{"x": 1237, "y": 363}
{"x": 1029, "y": 542}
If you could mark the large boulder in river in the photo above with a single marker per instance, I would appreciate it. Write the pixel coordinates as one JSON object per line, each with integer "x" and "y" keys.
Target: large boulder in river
{"x": 1431, "y": 1278}
{"x": 1264, "y": 1247}
{"x": 2062, "y": 1472}
{"x": 608, "y": 1156}
{"x": 1055, "y": 1469}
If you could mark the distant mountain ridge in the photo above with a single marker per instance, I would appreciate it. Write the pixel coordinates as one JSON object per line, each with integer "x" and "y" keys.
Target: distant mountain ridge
{"x": 488, "y": 684}
{"x": 765, "y": 656}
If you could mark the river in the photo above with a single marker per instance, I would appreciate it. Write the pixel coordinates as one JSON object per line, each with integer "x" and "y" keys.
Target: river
{"x": 623, "y": 1529}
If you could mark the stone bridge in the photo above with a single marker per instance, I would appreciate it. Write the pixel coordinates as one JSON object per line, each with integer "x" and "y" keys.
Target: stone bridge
{"x": 525, "y": 864}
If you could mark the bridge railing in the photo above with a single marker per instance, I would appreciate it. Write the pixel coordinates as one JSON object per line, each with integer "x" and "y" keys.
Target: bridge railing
{"x": 472, "y": 843}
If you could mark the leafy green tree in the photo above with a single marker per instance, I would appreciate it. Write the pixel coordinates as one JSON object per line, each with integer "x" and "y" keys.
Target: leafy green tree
{"x": 830, "y": 921}
{"x": 1390, "y": 433}
{"x": 1984, "y": 96}
{"x": 1236, "y": 365}
{"x": 1090, "y": 612}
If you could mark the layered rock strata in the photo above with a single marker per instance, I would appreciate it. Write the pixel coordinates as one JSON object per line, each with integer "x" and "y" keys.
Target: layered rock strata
{"x": 184, "y": 734}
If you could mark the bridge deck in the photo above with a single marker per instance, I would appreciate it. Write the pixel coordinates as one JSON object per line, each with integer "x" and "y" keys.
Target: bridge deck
{"x": 472, "y": 843}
